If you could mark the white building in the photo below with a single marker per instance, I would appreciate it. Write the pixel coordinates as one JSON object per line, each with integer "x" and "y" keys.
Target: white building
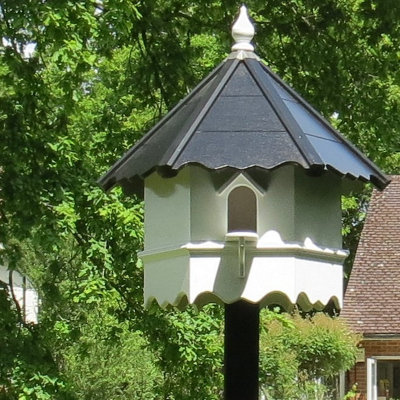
{"x": 23, "y": 292}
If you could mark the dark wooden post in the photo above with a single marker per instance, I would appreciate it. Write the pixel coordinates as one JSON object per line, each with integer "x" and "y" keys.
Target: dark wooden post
{"x": 241, "y": 351}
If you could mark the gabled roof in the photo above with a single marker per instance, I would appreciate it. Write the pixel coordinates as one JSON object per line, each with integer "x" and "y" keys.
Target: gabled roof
{"x": 372, "y": 299}
{"x": 241, "y": 116}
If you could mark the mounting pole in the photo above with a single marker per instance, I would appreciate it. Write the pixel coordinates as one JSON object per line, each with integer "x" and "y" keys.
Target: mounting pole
{"x": 241, "y": 351}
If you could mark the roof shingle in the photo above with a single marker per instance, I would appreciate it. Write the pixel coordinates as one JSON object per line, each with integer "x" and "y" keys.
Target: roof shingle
{"x": 372, "y": 299}
{"x": 241, "y": 116}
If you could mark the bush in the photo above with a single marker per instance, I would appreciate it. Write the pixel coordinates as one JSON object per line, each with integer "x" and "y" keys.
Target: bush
{"x": 118, "y": 367}
{"x": 300, "y": 356}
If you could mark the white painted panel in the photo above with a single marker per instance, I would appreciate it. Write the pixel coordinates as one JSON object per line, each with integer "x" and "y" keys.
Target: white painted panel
{"x": 342, "y": 384}
{"x": 207, "y": 208}
{"x": 203, "y": 275}
{"x": 276, "y": 207}
{"x": 167, "y": 210}
{"x": 166, "y": 279}
{"x": 271, "y": 274}
{"x": 319, "y": 280}
{"x": 186, "y": 253}
{"x": 286, "y": 275}
{"x": 372, "y": 389}
{"x": 318, "y": 209}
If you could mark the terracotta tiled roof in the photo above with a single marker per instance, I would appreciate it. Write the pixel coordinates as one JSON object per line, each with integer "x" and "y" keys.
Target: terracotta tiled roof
{"x": 372, "y": 299}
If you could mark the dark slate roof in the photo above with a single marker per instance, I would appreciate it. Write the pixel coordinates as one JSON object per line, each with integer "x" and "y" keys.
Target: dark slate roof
{"x": 372, "y": 299}
{"x": 241, "y": 116}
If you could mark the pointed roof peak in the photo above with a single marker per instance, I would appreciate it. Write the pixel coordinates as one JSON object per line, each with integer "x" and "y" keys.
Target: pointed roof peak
{"x": 243, "y": 32}
{"x": 241, "y": 117}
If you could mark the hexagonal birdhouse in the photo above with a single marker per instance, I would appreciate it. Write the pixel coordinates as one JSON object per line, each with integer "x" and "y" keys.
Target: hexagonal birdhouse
{"x": 242, "y": 185}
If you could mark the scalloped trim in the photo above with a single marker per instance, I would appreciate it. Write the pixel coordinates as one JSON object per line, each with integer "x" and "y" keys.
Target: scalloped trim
{"x": 181, "y": 301}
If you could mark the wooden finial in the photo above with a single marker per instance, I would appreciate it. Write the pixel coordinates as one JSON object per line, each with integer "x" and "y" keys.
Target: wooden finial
{"x": 243, "y": 32}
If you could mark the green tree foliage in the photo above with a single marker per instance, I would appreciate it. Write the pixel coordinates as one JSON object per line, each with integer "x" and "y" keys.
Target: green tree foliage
{"x": 101, "y": 74}
{"x": 112, "y": 365}
{"x": 27, "y": 369}
{"x": 299, "y": 354}
{"x": 190, "y": 350}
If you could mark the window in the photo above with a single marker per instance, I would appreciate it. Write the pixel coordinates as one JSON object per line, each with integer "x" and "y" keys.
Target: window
{"x": 242, "y": 210}
{"x": 388, "y": 379}
{"x": 383, "y": 378}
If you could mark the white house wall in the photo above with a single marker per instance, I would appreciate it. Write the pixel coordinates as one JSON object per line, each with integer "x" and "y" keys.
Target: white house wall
{"x": 24, "y": 293}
